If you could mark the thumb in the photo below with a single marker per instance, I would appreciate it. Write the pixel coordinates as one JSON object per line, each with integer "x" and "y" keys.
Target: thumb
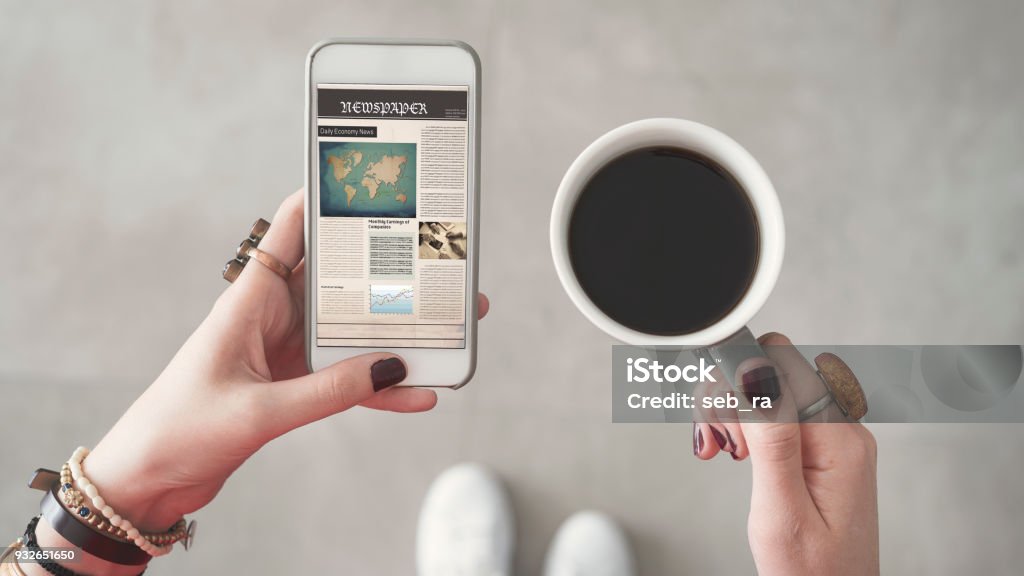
{"x": 773, "y": 441}
{"x": 334, "y": 389}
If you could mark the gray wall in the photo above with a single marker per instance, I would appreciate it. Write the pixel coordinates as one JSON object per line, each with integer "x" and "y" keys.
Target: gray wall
{"x": 139, "y": 140}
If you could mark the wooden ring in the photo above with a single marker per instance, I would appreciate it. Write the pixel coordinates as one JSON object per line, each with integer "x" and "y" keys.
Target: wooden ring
{"x": 843, "y": 385}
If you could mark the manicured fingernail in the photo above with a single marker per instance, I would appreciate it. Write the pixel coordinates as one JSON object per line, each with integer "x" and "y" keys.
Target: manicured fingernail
{"x": 734, "y": 456}
{"x": 719, "y": 437}
{"x": 386, "y": 373}
{"x": 762, "y": 382}
{"x": 732, "y": 443}
{"x": 698, "y": 439}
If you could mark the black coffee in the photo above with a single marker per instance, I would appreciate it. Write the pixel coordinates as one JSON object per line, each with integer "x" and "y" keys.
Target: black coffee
{"x": 663, "y": 241}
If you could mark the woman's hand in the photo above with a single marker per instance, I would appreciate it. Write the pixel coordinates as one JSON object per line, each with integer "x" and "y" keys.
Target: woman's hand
{"x": 238, "y": 382}
{"x": 814, "y": 504}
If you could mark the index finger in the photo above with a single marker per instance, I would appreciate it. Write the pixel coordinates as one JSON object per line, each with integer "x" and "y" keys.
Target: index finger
{"x": 284, "y": 239}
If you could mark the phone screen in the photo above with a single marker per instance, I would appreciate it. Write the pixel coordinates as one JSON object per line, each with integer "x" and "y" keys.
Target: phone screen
{"x": 391, "y": 228}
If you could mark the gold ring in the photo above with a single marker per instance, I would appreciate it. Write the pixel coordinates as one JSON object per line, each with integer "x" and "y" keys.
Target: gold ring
{"x": 248, "y": 250}
{"x": 269, "y": 261}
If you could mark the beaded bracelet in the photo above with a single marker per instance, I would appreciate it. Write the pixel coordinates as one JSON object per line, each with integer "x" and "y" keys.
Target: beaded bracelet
{"x": 84, "y": 486}
{"x": 157, "y": 544}
{"x": 73, "y": 500}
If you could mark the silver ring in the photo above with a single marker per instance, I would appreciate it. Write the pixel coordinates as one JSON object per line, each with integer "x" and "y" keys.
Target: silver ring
{"x": 815, "y": 407}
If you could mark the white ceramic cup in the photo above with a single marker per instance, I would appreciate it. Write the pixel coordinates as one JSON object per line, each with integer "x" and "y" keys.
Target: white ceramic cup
{"x": 732, "y": 157}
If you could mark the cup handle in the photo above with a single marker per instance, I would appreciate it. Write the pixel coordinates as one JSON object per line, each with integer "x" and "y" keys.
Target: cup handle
{"x": 731, "y": 352}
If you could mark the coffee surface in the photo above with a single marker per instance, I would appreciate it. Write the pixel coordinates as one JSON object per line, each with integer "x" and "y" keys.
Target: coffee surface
{"x": 663, "y": 241}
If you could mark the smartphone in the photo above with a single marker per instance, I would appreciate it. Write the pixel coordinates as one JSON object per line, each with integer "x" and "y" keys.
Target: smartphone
{"x": 392, "y": 205}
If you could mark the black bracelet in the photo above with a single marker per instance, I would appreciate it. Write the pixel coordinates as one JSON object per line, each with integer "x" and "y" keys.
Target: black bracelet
{"x": 52, "y": 567}
{"x": 31, "y": 546}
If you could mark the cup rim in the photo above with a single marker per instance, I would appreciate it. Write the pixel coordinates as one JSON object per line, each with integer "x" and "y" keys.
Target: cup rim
{"x": 716, "y": 146}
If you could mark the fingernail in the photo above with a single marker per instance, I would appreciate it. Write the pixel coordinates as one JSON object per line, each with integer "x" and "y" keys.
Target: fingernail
{"x": 387, "y": 372}
{"x": 698, "y": 439}
{"x": 734, "y": 456}
{"x": 762, "y": 382}
{"x": 719, "y": 437}
{"x": 732, "y": 443}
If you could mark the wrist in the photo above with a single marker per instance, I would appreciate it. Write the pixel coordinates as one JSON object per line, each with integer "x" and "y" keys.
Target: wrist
{"x": 131, "y": 485}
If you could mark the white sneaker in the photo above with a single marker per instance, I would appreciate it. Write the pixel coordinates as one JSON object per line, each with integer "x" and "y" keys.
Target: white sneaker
{"x": 589, "y": 544}
{"x": 466, "y": 525}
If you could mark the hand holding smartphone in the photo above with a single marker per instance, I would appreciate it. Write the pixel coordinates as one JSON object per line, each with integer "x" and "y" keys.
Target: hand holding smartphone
{"x": 392, "y": 172}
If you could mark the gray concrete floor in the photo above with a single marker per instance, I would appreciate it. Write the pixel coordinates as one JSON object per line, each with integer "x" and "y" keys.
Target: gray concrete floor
{"x": 893, "y": 132}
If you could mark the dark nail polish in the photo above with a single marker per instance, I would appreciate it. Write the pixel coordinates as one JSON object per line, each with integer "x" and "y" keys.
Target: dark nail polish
{"x": 761, "y": 382}
{"x": 734, "y": 456}
{"x": 387, "y": 372}
{"x": 719, "y": 437}
{"x": 732, "y": 443}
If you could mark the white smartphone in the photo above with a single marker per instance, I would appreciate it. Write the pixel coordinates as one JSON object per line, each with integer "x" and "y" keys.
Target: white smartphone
{"x": 392, "y": 172}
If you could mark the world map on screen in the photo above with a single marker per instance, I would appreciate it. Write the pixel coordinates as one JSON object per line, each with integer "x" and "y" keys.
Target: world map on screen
{"x": 368, "y": 179}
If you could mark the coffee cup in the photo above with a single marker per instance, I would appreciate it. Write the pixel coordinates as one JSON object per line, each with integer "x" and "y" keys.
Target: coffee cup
{"x": 662, "y": 193}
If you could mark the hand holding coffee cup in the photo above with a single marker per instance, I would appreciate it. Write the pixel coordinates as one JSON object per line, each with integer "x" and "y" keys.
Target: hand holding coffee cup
{"x": 666, "y": 232}
{"x": 821, "y": 477}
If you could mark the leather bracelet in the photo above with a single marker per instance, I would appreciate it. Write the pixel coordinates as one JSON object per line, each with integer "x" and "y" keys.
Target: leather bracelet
{"x": 31, "y": 545}
{"x": 85, "y": 537}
